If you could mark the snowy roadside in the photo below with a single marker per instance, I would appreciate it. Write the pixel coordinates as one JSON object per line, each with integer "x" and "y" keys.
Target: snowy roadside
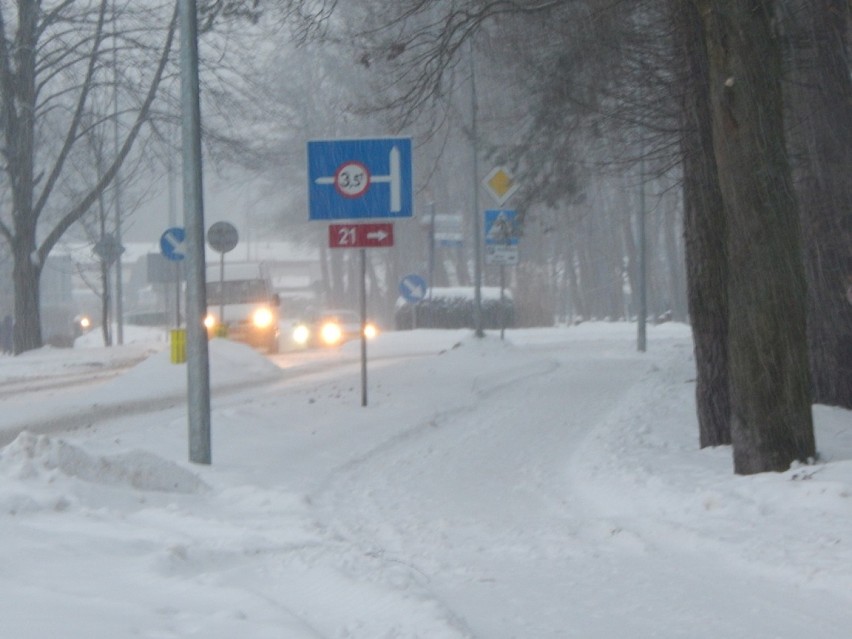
{"x": 642, "y": 469}
{"x": 147, "y": 382}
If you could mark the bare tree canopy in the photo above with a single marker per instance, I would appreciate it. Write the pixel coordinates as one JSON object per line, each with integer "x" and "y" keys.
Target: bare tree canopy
{"x": 55, "y": 66}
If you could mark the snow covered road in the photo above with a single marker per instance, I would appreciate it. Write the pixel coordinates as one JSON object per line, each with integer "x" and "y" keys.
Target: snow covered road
{"x": 544, "y": 487}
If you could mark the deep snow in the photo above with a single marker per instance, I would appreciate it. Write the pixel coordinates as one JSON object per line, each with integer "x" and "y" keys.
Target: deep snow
{"x": 545, "y": 486}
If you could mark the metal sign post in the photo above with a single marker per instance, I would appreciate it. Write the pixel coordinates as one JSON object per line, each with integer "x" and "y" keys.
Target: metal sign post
{"x": 172, "y": 247}
{"x": 501, "y": 232}
{"x": 363, "y": 327}
{"x": 501, "y": 244}
{"x": 360, "y": 179}
{"x": 222, "y": 237}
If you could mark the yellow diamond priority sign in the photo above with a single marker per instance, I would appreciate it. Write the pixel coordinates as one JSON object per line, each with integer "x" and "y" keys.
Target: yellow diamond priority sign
{"x": 500, "y": 185}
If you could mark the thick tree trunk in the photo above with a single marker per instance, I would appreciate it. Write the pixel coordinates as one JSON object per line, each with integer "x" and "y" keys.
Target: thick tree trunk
{"x": 771, "y": 422}
{"x": 674, "y": 266}
{"x": 821, "y": 108}
{"x": 19, "y": 129}
{"x": 25, "y": 276}
{"x": 704, "y": 233}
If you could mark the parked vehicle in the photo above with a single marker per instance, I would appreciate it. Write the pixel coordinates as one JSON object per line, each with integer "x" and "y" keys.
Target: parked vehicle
{"x": 242, "y": 305}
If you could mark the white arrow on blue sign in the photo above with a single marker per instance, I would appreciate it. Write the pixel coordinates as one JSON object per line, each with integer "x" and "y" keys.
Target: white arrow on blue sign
{"x": 172, "y": 243}
{"x": 360, "y": 179}
{"x": 413, "y": 288}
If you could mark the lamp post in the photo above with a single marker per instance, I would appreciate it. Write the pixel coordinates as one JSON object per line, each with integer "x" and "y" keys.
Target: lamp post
{"x": 119, "y": 283}
{"x": 477, "y": 232}
{"x": 198, "y": 366}
{"x": 642, "y": 312}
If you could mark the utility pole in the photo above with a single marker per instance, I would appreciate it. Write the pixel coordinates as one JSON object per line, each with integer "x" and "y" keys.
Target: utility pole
{"x": 198, "y": 365}
{"x": 431, "y": 261}
{"x": 119, "y": 283}
{"x": 477, "y": 231}
{"x": 642, "y": 312}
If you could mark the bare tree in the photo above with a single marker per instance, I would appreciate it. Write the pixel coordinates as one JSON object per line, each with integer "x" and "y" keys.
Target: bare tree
{"x": 53, "y": 60}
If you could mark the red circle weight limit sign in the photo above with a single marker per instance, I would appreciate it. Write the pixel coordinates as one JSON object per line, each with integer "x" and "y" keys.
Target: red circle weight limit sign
{"x": 352, "y": 179}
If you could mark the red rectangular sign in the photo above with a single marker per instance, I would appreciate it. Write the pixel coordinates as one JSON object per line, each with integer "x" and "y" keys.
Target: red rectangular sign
{"x": 360, "y": 235}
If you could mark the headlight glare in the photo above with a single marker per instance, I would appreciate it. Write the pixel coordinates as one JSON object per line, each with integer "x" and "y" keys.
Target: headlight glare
{"x": 262, "y": 318}
{"x": 301, "y": 334}
{"x": 331, "y": 333}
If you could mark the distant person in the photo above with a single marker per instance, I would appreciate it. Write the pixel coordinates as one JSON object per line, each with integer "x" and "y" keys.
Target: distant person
{"x": 7, "y": 335}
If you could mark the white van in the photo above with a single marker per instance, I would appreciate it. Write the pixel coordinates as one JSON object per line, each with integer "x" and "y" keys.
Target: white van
{"x": 242, "y": 305}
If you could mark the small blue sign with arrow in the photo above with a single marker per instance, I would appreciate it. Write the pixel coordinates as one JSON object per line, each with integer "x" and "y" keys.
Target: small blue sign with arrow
{"x": 172, "y": 243}
{"x": 413, "y": 288}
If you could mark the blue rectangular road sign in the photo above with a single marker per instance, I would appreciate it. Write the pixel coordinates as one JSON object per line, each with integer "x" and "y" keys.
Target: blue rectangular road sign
{"x": 501, "y": 228}
{"x": 360, "y": 179}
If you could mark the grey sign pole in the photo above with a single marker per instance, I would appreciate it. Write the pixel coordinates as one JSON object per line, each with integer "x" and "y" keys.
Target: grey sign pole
{"x": 477, "y": 239}
{"x": 363, "y": 327}
{"x": 642, "y": 310}
{"x": 222, "y": 237}
{"x": 198, "y": 367}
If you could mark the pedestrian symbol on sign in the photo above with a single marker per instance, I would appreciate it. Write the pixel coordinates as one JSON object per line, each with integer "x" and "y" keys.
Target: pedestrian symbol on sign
{"x": 501, "y": 227}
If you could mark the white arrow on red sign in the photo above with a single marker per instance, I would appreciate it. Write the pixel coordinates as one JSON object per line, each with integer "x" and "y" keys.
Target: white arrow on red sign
{"x": 360, "y": 235}
{"x": 377, "y": 236}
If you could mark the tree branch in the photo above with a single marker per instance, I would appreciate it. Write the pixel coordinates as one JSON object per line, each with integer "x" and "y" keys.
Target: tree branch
{"x": 71, "y": 135}
{"x": 83, "y": 206}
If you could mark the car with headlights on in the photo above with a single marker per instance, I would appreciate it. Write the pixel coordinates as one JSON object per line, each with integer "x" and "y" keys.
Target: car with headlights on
{"x": 331, "y": 328}
{"x": 242, "y": 306}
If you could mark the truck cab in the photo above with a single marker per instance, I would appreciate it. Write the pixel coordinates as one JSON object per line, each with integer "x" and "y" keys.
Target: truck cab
{"x": 242, "y": 305}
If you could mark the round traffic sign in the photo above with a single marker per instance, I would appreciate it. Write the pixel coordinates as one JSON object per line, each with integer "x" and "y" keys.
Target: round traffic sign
{"x": 171, "y": 243}
{"x": 222, "y": 237}
{"x": 352, "y": 179}
{"x": 413, "y": 288}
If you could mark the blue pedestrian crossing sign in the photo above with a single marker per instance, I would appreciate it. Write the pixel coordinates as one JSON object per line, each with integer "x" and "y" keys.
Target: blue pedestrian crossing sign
{"x": 501, "y": 228}
{"x": 360, "y": 179}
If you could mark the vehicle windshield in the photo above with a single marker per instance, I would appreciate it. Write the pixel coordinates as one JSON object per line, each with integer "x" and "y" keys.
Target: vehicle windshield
{"x": 236, "y": 292}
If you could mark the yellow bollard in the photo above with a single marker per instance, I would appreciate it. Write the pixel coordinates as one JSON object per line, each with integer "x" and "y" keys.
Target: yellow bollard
{"x": 177, "y": 337}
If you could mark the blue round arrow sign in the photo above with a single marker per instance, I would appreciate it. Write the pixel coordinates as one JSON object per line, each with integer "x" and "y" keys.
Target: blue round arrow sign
{"x": 172, "y": 243}
{"x": 413, "y": 288}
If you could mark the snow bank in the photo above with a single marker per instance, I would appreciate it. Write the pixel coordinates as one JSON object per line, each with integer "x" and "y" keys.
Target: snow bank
{"x": 38, "y": 457}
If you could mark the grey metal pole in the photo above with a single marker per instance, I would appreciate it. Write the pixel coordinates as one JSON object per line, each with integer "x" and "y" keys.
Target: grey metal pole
{"x": 363, "y": 327}
{"x": 119, "y": 276}
{"x": 172, "y": 223}
{"x": 502, "y": 301}
{"x": 198, "y": 366}
{"x": 431, "y": 262}
{"x": 641, "y": 338}
{"x": 222, "y": 290}
{"x": 477, "y": 239}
